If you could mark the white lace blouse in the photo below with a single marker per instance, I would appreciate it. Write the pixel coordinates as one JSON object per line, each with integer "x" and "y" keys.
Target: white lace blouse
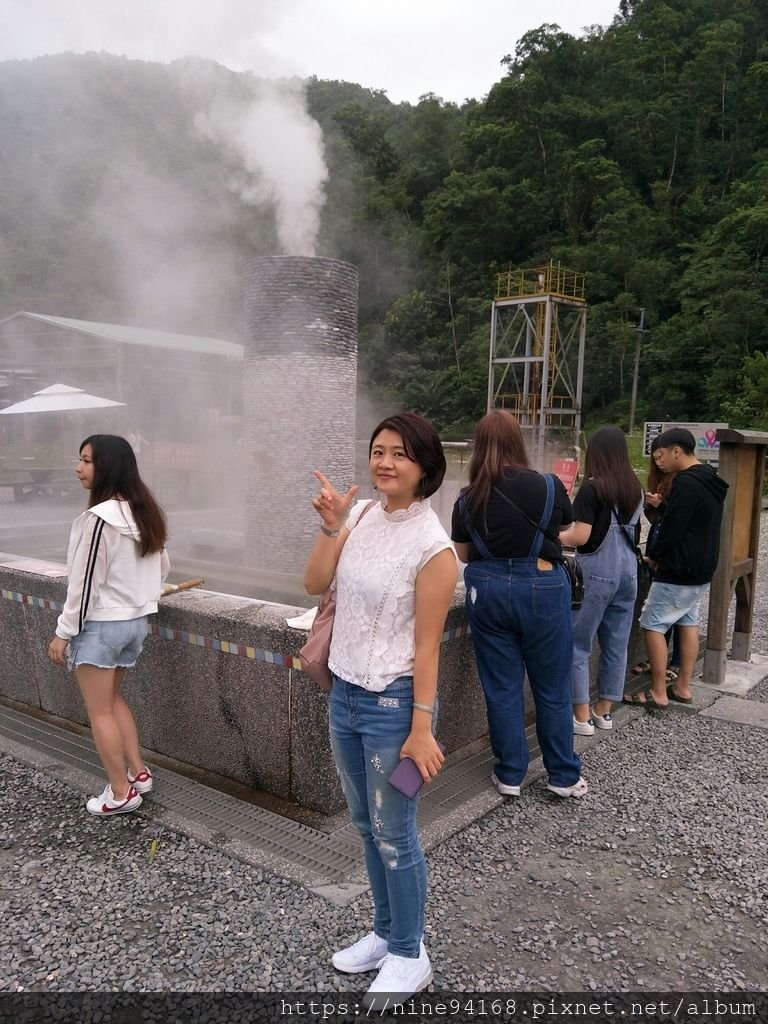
{"x": 374, "y": 631}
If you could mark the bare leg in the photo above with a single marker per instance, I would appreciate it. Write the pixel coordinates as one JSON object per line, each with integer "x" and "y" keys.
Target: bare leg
{"x": 581, "y": 712}
{"x": 603, "y": 707}
{"x": 689, "y": 652}
{"x": 656, "y": 645}
{"x": 97, "y": 688}
{"x": 127, "y": 726}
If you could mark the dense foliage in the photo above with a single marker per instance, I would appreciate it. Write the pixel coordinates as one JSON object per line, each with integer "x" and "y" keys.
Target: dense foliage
{"x": 637, "y": 154}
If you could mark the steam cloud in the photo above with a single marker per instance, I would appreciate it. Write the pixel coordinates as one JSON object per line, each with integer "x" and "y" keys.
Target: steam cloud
{"x": 232, "y": 32}
{"x": 280, "y": 148}
{"x": 264, "y": 126}
{"x": 168, "y": 243}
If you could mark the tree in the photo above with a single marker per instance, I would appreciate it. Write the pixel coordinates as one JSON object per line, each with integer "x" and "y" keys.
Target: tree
{"x": 747, "y": 408}
{"x": 635, "y": 154}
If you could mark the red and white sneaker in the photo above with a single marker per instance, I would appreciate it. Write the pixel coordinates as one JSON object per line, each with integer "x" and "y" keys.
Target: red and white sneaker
{"x": 106, "y": 805}
{"x": 143, "y": 781}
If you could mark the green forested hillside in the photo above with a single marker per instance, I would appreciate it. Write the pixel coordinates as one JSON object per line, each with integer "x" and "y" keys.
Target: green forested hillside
{"x": 638, "y": 154}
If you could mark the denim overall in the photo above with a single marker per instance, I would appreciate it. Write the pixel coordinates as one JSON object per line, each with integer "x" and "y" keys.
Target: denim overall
{"x": 610, "y": 590}
{"x": 520, "y": 616}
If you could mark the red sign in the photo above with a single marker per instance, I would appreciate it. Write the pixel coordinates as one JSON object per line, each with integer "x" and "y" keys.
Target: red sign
{"x": 567, "y": 470}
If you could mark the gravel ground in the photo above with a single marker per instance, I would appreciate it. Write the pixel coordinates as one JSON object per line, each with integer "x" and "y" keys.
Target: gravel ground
{"x": 657, "y": 880}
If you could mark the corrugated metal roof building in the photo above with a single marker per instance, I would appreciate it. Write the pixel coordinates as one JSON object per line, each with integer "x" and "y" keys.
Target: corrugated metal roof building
{"x": 154, "y": 372}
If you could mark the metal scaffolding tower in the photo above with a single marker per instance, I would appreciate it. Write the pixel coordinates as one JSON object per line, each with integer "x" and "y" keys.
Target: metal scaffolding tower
{"x": 536, "y": 365}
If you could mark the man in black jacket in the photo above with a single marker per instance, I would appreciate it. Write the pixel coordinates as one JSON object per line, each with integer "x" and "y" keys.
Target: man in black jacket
{"x": 683, "y": 556}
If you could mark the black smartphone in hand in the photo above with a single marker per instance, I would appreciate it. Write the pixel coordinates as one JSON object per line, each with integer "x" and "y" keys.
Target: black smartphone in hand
{"x": 407, "y": 778}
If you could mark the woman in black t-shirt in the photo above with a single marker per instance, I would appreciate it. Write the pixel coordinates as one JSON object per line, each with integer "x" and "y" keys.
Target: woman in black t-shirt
{"x": 607, "y": 512}
{"x": 518, "y": 602}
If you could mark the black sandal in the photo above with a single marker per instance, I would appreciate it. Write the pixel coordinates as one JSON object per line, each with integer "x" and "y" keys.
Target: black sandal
{"x": 644, "y": 700}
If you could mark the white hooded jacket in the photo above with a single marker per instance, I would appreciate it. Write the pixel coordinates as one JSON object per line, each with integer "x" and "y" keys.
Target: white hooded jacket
{"x": 108, "y": 578}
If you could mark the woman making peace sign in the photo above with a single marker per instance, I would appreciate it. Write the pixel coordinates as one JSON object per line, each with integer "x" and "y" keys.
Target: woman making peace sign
{"x": 395, "y": 575}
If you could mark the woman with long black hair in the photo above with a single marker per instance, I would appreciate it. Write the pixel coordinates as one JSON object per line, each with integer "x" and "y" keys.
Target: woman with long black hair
{"x": 605, "y": 532}
{"x": 116, "y": 564}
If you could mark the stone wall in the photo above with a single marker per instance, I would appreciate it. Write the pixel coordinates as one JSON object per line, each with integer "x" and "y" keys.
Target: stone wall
{"x": 218, "y": 686}
{"x": 242, "y": 711}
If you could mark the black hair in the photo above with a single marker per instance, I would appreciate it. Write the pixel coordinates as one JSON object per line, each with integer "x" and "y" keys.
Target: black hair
{"x": 115, "y": 472}
{"x": 676, "y": 437}
{"x": 422, "y": 445}
{"x": 655, "y": 475}
{"x": 607, "y": 464}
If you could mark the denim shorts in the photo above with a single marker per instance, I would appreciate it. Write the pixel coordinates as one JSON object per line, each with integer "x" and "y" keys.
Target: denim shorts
{"x": 114, "y": 644}
{"x": 670, "y": 605}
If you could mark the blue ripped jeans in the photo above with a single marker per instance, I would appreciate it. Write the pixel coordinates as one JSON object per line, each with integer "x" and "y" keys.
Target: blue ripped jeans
{"x": 367, "y": 731}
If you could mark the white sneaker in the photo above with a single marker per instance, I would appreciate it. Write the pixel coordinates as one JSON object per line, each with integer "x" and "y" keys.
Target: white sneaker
{"x": 106, "y": 805}
{"x": 579, "y": 788}
{"x": 583, "y": 728}
{"x": 400, "y": 978}
{"x": 504, "y": 788}
{"x": 143, "y": 781}
{"x": 602, "y": 721}
{"x": 361, "y": 956}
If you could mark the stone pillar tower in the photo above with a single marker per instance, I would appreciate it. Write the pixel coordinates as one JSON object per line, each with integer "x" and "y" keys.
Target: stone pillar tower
{"x": 299, "y": 388}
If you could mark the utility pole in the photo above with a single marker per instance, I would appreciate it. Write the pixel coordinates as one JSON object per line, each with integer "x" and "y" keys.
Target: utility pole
{"x": 640, "y": 328}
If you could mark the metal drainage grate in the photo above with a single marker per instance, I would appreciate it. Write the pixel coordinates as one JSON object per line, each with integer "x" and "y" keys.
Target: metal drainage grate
{"x": 311, "y": 857}
{"x": 222, "y": 819}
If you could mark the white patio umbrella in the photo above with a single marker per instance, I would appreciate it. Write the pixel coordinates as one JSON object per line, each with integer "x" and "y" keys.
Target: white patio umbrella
{"x": 59, "y": 398}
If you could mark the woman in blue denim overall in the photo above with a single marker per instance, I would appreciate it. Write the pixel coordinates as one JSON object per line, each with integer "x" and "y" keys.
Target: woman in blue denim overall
{"x": 607, "y": 512}
{"x": 395, "y": 576}
{"x": 518, "y": 604}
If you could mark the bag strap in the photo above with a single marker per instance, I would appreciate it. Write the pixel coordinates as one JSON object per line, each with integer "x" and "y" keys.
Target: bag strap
{"x": 545, "y": 516}
{"x": 624, "y": 528}
{"x": 634, "y": 518}
{"x": 367, "y": 508}
{"x": 476, "y": 540}
{"x": 370, "y": 505}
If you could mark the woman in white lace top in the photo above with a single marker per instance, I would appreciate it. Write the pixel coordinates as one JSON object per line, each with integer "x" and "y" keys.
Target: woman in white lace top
{"x": 395, "y": 572}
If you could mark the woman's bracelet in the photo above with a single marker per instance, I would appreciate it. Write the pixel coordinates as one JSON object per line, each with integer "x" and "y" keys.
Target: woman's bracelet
{"x": 329, "y": 533}
{"x": 424, "y": 707}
